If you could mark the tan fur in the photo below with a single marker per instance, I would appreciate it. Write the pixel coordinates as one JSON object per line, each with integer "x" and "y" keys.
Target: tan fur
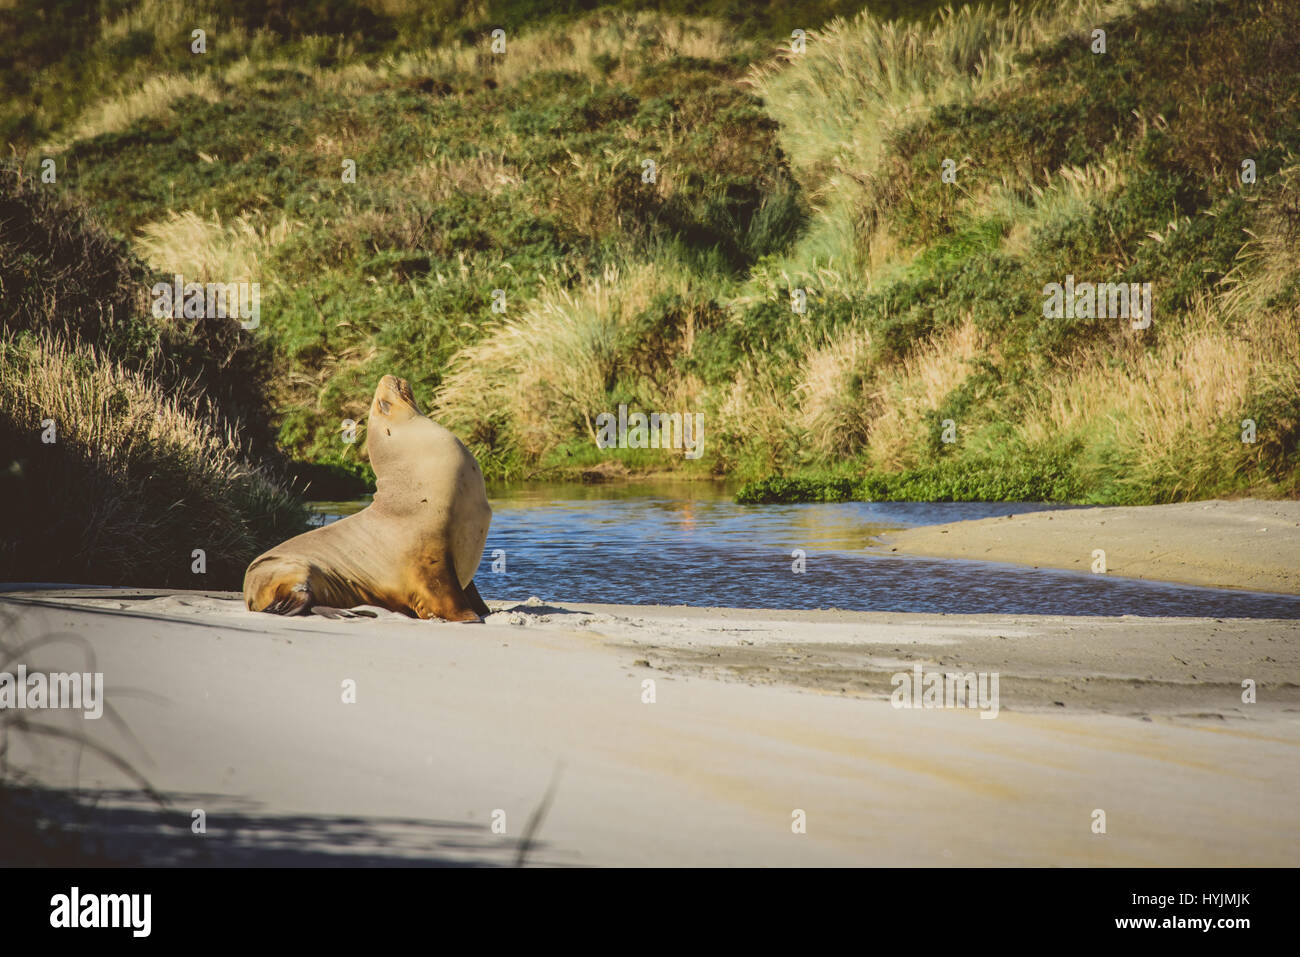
{"x": 414, "y": 549}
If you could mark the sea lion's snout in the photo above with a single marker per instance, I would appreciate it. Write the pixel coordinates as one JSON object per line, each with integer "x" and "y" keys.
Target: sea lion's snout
{"x": 391, "y": 392}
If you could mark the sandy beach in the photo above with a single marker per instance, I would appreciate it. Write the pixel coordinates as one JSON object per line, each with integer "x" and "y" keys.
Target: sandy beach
{"x": 1249, "y": 544}
{"x": 749, "y": 718}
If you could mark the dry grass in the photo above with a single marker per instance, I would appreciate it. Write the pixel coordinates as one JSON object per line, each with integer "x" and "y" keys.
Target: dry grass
{"x": 1191, "y": 382}
{"x": 863, "y": 78}
{"x": 207, "y": 250}
{"x": 757, "y": 414}
{"x": 138, "y": 466}
{"x": 154, "y": 98}
{"x": 441, "y": 177}
{"x": 621, "y": 42}
{"x": 168, "y": 20}
{"x": 1176, "y": 410}
{"x": 1070, "y": 193}
{"x": 1269, "y": 264}
{"x": 836, "y": 395}
{"x": 543, "y": 377}
{"x": 915, "y": 389}
{"x": 604, "y": 43}
{"x": 643, "y": 38}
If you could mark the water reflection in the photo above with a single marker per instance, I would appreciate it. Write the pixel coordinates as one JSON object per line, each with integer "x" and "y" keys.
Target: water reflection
{"x": 689, "y": 544}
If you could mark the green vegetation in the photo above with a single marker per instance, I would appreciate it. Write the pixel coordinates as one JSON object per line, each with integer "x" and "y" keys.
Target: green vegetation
{"x": 518, "y": 178}
{"x": 1119, "y": 167}
{"x": 952, "y": 481}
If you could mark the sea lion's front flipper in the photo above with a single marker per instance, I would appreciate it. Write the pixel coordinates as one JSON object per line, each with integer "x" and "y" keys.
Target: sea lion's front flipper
{"x": 476, "y": 602}
{"x": 440, "y": 594}
{"x": 295, "y": 600}
{"x": 278, "y": 587}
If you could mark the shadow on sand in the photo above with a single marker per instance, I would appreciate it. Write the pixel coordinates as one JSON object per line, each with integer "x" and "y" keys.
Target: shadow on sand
{"x": 44, "y": 827}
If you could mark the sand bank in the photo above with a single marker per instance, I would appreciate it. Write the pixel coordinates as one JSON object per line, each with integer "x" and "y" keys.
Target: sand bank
{"x": 1244, "y": 544}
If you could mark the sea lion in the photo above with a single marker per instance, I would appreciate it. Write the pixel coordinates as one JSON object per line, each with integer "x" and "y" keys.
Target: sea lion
{"x": 414, "y": 549}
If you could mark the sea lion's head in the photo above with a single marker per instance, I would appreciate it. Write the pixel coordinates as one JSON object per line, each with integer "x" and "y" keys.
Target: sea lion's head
{"x": 394, "y": 402}
{"x": 391, "y": 411}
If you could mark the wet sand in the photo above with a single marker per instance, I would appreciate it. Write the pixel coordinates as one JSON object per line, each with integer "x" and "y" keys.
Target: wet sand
{"x": 756, "y": 716}
{"x": 1248, "y": 544}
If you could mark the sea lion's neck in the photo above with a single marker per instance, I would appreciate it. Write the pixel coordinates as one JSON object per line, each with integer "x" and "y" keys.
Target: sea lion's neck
{"x": 393, "y": 496}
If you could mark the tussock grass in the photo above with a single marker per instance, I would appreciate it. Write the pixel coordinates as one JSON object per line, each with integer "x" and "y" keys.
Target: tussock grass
{"x": 1267, "y": 275}
{"x": 134, "y": 481}
{"x": 156, "y": 97}
{"x": 608, "y": 44}
{"x": 836, "y": 395}
{"x": 156, "y": 425}
{"x": 755, "y": 433}
{"x": 914, "y": 392}
{"x": 538, "y": 380}
{"x": 1169, "y": 424}
{"x": 909, "y": 327}
{"x": 168, "y": 21}
{"x": 207, "y": 250}
{"x": 1069, "y": 194}
{"x": 944, "y": 281}
{"x": 861, "y": 80}
{"x": 868, "y": 76}
{"x": 471, "y": 179}
{"x": 443, "y": 177}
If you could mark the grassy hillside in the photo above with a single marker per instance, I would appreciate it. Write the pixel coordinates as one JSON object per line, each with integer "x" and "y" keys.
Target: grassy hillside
{"x": 1123, "y": 166}
{"x": 519, "y": 176}
{"x": 1116, "y": 167}
{"x": 125, "y": 443}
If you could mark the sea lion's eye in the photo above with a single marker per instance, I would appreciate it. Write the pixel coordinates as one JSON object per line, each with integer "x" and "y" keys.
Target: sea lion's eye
{"x": 383, "y": 407}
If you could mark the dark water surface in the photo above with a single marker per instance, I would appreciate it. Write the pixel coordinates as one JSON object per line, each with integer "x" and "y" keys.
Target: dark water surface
{"x": 689, "y": 544}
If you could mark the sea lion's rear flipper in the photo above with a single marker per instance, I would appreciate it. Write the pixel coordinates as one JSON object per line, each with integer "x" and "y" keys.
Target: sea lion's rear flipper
{"x": 477, "y": 603}
{"x": 441, "y": 596}
{"x": 325, "y": 611}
